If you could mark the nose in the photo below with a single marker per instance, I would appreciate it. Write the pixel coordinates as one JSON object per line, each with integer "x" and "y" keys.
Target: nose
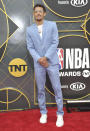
{"x": 38, "y": 14}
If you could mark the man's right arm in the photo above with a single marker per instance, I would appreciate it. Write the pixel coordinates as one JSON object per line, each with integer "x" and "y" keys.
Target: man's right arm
{"x": 31, "y": 48}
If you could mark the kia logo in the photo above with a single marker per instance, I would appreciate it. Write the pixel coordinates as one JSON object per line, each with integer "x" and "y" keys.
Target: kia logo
{"x": 79, "y": 3}
{"x": 77, "y": 86}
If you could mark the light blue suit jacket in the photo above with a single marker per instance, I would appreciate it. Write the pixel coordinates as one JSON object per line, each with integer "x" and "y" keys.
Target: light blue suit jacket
{"x": 45, "y": 46}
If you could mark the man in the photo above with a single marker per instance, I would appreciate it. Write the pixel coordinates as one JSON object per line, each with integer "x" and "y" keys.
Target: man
{"x": 42, "y": 42}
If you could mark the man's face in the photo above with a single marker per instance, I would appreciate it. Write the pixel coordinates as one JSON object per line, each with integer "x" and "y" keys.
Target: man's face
{"x": 39, "y": 14}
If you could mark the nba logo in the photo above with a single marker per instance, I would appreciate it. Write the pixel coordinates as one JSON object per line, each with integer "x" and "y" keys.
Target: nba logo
{"x": 60, "y": 53}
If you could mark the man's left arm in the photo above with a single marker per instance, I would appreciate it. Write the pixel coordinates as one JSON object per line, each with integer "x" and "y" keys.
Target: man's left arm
{"x": 52, "y": 49}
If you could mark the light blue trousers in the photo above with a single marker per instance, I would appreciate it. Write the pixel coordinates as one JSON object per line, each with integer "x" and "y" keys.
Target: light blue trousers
{"x": 40, "y": 76}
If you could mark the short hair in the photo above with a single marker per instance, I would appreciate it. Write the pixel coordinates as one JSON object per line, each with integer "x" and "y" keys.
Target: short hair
{"x": 40, "y": 5}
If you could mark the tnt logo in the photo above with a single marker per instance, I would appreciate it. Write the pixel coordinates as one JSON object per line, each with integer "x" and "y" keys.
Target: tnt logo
{"x": 17, "y": 67}
{"x": 60, "y": 53}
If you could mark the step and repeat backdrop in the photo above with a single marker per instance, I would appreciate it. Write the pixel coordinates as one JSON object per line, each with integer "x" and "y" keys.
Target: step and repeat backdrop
{"x": 18, "y": 88}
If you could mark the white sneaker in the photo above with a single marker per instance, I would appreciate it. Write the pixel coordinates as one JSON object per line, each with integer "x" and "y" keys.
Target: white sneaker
{"x": 60, "y": 121}
{"x": 43, "y": 118}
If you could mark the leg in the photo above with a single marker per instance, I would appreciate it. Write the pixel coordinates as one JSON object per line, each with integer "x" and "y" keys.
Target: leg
{"x": 53, "y": 72}
{"x": 40, "y": 76}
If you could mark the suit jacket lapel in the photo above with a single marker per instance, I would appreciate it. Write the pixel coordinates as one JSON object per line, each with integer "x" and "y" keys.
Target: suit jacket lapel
{"x": 36, "y": 32}
{"x": 44, "y": 30}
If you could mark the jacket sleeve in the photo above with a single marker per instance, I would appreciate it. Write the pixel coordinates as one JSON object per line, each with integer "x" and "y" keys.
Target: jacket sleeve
{"x": 31, "y": 48}
{"x": 54, "y": 43}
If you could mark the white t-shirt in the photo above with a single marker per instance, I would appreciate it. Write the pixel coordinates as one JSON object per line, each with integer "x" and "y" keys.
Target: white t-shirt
{"x": 40, "y": 30}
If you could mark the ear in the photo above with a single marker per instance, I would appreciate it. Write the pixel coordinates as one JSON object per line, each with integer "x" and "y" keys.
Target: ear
{"x": 44, "y": 13}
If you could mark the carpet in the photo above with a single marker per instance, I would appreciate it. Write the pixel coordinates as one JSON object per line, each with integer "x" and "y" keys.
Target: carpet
{"x": 28, "y": 120}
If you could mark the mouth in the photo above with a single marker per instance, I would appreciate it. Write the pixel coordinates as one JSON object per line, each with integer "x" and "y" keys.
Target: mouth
{"x": 39, "y": 16}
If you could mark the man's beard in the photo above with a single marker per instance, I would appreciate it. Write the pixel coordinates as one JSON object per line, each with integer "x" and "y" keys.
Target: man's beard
{"x": 38, "y": 20}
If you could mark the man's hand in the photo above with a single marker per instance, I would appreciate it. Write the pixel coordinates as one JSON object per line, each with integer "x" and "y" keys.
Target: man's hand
{"x": 43, "y": 61}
